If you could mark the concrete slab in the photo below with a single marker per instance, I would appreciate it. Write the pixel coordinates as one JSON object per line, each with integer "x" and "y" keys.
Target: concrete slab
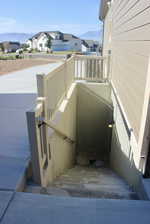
{"x": 24, "y": 81}
{"x": 5, "y": 197}
{"x": 12, "y": 172}
{"x": 33, "y": 208}
{"x": 17, "y": 95}
{"x": 13, "y": 125}
{"x": 146, "y": 188}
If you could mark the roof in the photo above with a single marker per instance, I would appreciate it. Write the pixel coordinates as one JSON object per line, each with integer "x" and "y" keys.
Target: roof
{"x": 64, "y": 36}
{"x": 85, "y": 43}
{"x": 103, "y": 9}
{"x": 91, "y": 42}
{"x": 45, "y": 32}
{"x": 67, "y": 36}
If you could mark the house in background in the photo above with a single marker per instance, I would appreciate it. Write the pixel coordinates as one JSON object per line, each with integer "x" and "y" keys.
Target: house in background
{"x": 9, "y": 47}
{"x": 93, "y": 45}
{"x": 85, "y": 47}
{"x": 90, "y": 46}
{"x": 67, "y": 42}
{"x": 59, "y": 41}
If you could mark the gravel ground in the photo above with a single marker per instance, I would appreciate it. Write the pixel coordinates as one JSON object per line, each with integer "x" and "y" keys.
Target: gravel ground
{"x": 8, "y": 66}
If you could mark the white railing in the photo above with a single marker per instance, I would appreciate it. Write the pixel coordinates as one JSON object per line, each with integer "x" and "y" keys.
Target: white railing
{"x": 90, "y": 68}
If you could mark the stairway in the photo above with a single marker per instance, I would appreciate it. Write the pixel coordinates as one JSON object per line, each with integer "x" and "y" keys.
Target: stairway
{"x": 87, "y": 182}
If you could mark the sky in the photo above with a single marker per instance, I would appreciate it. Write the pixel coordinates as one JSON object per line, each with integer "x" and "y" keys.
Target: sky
{"x": 31, "y": 16}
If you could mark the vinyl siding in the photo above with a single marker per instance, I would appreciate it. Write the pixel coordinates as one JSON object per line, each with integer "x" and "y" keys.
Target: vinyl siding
{"x": 127, "y": 35}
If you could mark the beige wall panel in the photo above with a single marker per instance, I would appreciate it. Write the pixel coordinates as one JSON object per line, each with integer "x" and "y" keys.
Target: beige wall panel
{"x": 131, "y": 10}
{"x": 131, "y": 13}
{"x": 135, "y": 23}
{"x": 127, "y": 35}
{"x": 130, "y": 100}
{"x": 141, "y": 48}
{"x": 107, "y": 33}
{"x": 138, "y": 34}
{"x": 132, "y": 96}
{"x": 119, "y": 6}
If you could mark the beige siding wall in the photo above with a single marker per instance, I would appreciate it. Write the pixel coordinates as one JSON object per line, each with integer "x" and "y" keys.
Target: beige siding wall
{"x": 127, "y": 35}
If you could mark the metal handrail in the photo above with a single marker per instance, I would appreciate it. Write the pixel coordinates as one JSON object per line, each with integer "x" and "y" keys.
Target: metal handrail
{"x": 58, "y": 131}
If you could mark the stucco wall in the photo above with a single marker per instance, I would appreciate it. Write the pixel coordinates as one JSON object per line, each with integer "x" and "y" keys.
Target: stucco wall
{"x": 62, "y": 152}
{"x": 85, "y": 118}
{"x": 93, "y": 117}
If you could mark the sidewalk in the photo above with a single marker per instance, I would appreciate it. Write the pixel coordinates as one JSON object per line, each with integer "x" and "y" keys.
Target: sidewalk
{"x": 17, "y": 95}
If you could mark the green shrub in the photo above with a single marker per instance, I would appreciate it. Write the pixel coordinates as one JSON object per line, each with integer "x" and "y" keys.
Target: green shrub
{"x": 11, "y": 57}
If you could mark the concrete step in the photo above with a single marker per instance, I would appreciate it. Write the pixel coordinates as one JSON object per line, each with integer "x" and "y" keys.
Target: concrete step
{"x": 93, "y": 183}
{"x": 72, "y": 191}
{"x": 87, "y": 182}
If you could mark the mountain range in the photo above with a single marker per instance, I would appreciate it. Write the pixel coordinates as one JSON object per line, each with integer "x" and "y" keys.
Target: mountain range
{"x": 19, "y": 37}
{"x": 22, "y": 37}
{"x": 92, "y": 35}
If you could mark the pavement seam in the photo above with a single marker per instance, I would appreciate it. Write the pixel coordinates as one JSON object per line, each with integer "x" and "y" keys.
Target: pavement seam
{"x": 5, "y": 210}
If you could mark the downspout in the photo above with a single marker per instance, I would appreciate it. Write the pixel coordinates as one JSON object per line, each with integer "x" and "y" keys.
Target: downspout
{"x": 102, "y": 37}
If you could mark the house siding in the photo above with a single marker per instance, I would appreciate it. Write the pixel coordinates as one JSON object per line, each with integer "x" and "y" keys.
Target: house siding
{"x": 127, "y": 39}
{"x": 72, "y": 45}
{"x": 127, "y": 35}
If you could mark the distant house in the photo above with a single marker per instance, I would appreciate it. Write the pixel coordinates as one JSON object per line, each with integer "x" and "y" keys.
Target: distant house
{"x": 68, "y": 42}
{"x": 59, "y": 41}
{"x": 90, "y": 46}
{"x": 85, "y": 47}
{"x": 9, "y": 46}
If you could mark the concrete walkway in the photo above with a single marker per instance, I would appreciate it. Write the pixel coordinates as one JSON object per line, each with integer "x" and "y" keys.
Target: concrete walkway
{"x": 17, "y": 95}
{"x": 24, "y": 81}
{"x": 23, "y": 208}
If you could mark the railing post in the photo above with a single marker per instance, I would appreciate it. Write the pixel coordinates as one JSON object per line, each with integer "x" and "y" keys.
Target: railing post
{"x": 40, "y": 85}
{"x": 35, "y": 146}
{"x": 74, "y": 63}
{"x": 109, "y": 65}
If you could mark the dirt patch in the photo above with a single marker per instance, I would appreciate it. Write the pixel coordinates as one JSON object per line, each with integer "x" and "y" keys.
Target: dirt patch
{"x": 8, "y": 66}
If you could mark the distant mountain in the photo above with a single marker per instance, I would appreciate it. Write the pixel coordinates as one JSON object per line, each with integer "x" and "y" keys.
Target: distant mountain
{"x": 19, "y": 37}
{"x": 92, "y": 35}
{"x": 22, "y": 37}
